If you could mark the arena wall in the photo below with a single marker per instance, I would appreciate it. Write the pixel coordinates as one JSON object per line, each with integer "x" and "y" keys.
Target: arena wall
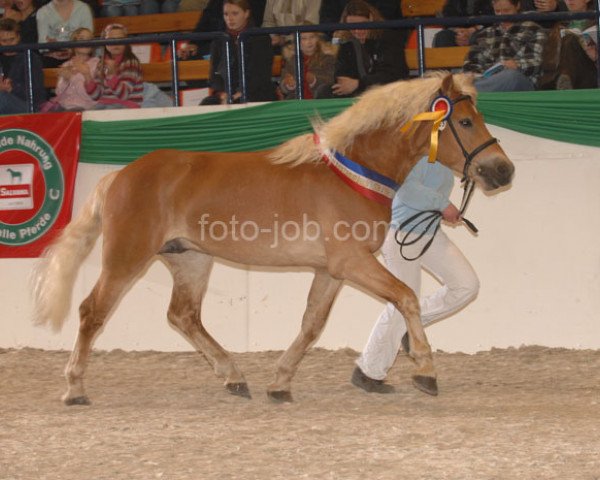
{"x": 537, "y": 257}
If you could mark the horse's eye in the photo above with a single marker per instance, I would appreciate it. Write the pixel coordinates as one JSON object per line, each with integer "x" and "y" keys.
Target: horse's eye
{"x": 466, "y": 122}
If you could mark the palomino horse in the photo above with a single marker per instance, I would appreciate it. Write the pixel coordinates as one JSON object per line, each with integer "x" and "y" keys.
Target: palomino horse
{"x": 195, "y": 200}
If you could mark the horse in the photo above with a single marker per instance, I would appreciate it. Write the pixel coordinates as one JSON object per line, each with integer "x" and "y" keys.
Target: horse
{"x": 15, "y": 176}
{"x": 186, "y": 208}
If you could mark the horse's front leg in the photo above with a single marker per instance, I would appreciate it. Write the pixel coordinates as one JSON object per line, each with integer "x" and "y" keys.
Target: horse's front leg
{"x": 366, "y": 271}
{"x": 320, "y": 298}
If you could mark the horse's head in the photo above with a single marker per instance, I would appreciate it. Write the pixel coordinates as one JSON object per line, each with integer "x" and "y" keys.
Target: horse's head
{"x": 465, "y": 144}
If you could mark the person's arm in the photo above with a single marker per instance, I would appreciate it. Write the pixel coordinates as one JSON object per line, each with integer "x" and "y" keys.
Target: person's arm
{"x": 288, "y": 76}
{"x": 268, "y": 19}
{"x": 528, "y": 46}
{"x": 312, "y": 12}
{"x": 126, "y": 79}
{"x": 324, "y": 73}
{"x": 480, "y": 57}
{"x": 41, "y": 18}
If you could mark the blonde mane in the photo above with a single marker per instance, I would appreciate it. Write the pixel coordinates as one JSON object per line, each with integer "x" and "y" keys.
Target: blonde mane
{"x": 380, "y": 107}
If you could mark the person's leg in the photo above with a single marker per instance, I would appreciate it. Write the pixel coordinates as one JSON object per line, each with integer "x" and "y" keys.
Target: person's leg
{"x": 507, "y": 80}
{"x": 10, "y": 104}
{"x": 382, "y": 347}
{"x": 450, "y": 267}
{"x": 149, "y": 7}
{"x": 444, "y": 38}
{"x": 112, "y": 11}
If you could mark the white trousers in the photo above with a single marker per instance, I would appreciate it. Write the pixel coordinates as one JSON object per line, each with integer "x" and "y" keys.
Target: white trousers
{"x": 459, "y": 286}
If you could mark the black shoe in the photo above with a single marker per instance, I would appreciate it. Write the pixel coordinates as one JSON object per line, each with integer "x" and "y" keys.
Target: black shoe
{"x": 360, "y": 380}
{"x": 405, "y": 343}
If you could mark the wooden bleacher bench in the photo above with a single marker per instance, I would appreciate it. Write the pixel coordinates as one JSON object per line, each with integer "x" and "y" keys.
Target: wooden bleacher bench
{"x": 160, "y": 72}
{"x": 422, "y": 8}
{"x": 158, "y": 23}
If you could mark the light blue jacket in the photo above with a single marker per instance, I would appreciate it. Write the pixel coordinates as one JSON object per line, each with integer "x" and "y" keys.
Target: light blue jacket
{"x": 427, "y": 187}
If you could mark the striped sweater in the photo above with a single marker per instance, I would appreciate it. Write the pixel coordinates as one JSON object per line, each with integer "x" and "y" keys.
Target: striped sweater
{"x": 125, "y": 87}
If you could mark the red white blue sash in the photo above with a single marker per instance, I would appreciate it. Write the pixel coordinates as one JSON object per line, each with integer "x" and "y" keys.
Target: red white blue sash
{"x": 365, "y": 181}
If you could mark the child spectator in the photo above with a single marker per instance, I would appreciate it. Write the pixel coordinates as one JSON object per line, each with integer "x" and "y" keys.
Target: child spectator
{"x": 13, "y": 78}
{"x": 70, "y": 89}
{"x": 258, "y": 59}
{"x": 281, "y": 13}
{"x": 56, "y": 22}
{"x": 508, "y": 55}
{"x": 318, "y": 68}
{"x": 367, "y": 57}
{"x": 9, "y": 10}
{"x": 117, "y": 81}
{"x": 28, "y": 11}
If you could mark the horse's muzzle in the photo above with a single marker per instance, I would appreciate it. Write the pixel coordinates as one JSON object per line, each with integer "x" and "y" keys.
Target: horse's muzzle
{"x": 493, "y": 173}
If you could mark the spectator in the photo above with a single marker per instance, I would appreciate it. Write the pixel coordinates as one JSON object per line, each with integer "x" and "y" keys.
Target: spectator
{"x": 28, "y": 10}
{"x": 508, "y": 55}
{"x": 280, "y": 13}
{"x": 258, "y": 59}
{"x": 117, "y": 81}
{"x": 212, "y": 21}
{"x": 318, "y": 68}
{"x": 461, "y": 36}
{"x": 9, "y": 10}
{"x": 56, "y": 22}
{"x": 13, "y": 78}
{"x": 331, "y": 10}
{"x": 577, "y": 58}
{"x": 367, "y": 57}
{"x": 71, "y": 93}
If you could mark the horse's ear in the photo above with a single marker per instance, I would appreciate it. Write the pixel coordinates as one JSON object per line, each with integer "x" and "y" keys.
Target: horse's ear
{"x": 447, "y": 84}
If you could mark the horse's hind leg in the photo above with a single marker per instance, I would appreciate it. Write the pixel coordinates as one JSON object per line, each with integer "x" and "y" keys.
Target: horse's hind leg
{"x": 93, "y": 312}
{"x": 190, "y": 272}
{"x": 320, "y": 298}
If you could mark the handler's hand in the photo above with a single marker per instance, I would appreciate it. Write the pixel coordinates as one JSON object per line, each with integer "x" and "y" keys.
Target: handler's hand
{"x": 451, "y": 214}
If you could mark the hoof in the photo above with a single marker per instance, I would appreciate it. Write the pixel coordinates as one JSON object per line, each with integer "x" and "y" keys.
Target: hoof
{"x": 239, "y": 389}
{"x": 368, "y": 384}
{"x": 83, "y": 400}
{"x": 281, "y": 396}
{"x": 425, "y": 384}
{"x": 405, "y": 343}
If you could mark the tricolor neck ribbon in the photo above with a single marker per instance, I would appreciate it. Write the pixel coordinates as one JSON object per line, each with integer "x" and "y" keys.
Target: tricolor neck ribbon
{"x": 367, "y": 182}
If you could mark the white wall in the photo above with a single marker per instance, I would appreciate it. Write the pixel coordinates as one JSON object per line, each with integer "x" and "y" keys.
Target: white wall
{"x": 537, "y": 255}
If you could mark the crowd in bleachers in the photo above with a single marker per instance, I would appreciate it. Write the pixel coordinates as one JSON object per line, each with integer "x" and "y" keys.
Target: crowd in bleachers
{"x": 508, "y": 56}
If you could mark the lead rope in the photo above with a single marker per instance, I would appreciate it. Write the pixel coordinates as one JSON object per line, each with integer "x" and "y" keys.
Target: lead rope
{"x": 432, "y": 218}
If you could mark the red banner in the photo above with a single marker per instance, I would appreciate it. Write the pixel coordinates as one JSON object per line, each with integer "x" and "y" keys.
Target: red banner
{"x": 38, "y": 163}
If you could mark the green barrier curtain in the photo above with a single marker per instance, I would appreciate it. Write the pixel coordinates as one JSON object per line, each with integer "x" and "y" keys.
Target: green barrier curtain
{"x": 568, "y": 116}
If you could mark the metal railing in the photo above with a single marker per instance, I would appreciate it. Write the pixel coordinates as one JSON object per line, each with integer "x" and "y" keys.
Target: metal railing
{"x": 171, "y": 39}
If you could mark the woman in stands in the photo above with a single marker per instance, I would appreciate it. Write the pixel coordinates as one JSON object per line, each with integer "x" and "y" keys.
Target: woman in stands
{"x": 258, "y": 59}
{"x": 508, "y": 55}
{"x": 367, "y": 57}
{"x": 117, "y": 81}
{"x": 28, "y": 10}
{"x": 71, "y": 93}
{"x": 56, "y": 22}
{"x": 318, "y": 67}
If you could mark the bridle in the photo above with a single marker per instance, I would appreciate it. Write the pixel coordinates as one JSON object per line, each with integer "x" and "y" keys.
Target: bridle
{"x": 432, "y": 218}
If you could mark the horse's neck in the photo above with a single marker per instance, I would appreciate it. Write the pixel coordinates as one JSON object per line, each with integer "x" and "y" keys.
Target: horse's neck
{"x": 388, "y": 152}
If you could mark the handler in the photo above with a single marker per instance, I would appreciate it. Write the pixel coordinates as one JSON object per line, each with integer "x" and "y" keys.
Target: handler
{"x": 427, "y": 187}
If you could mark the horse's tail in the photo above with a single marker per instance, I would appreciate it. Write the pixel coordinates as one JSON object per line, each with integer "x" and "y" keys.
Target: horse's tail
{"x": 55, "y": 273}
